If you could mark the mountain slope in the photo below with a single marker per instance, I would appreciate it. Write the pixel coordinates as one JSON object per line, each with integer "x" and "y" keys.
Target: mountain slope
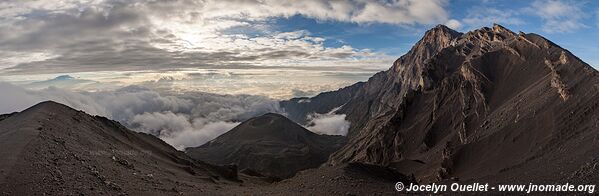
{"x": 489, "y": 104}
{"x": 271, "y": 145}
{"x": 53, "y": 149}
{"x": 299, "y": 108}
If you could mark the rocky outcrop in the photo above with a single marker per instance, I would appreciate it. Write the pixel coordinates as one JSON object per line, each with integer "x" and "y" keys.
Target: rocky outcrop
{"x": 473, "y": 105}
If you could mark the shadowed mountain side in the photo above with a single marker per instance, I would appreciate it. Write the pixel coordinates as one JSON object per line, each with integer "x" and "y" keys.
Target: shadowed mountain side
{"x": 299, "y": 108}
{"x": 271, "y": 145}
{"x": 488, "y": 104}
{"x": 54, "y": 150}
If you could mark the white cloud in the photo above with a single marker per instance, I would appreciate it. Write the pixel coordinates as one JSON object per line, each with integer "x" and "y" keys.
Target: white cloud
{"x": 362, "y": 11}
{"x": 179, "y": 130}
{"x": 154, "y": 35}
{"x": 194, "y": 136}
{"x": 182, "y": 120}
{"x": 559, "y": 16}
{"x": 11, "y": 58}
{"x": 328, "y": 124}
{"x": 483, "y": 16}
{"x": 454, "y": 24}
{"x": 402, "y": 12}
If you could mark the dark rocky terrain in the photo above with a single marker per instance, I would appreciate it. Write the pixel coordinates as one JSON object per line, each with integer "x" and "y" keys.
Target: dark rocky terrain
{"x": 51, "y": 149}
{"x": 488, "y": 105}
{"x": 269, "y": 145}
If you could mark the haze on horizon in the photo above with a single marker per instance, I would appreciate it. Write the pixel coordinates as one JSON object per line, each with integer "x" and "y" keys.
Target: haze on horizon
{"x": 189, "y": 70}
{"x": 277, "y": 49}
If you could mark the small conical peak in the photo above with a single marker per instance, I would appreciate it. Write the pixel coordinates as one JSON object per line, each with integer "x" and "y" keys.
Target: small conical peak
{"x": 267, "y": 119}
{"x": 49, "y": 105}
{"x": 273, "y": 115}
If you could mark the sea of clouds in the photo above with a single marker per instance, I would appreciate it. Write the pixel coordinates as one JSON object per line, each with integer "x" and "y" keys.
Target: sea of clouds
{"x": 183, "y": 120}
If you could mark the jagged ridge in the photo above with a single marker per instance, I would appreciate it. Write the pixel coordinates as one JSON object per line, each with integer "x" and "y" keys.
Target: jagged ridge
{"x": 473, "y": 105}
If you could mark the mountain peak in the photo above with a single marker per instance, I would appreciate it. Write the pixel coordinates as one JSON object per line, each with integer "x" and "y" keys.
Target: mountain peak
{"x": 49, "y": 106}
{"x": 497, "y": 28}
{"x": 441, "y": 31}
{"x": 499, "y": 82}
{"x": 48, "y": 103}
{"x": 441, "y": 27}
{"x": 264, "y": 142}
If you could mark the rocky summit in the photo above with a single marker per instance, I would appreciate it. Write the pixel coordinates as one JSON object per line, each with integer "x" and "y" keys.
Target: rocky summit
{"x": 489, "y": 104}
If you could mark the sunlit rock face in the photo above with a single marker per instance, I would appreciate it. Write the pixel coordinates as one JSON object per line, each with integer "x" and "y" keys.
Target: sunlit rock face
{"x": 473, "y": 105}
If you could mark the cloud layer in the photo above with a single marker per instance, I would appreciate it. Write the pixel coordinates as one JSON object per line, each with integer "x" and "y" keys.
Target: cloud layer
{"x": 182, "y": 120}
{"x": 105, "y": 35}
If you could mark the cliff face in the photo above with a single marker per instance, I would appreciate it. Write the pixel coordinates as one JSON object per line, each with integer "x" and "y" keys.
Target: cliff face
{"x": 473, "y": 105}
{"x": 383, "y": 93}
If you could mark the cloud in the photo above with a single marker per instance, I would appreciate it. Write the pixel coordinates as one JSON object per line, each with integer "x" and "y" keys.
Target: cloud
{"x": 158, "y": 35}
{"x": 402, "y": 12}
{"x": 193, "y": 137}
{"x": 559, "y": 16}
{"x": 362, "y": 11}
{"x": 485, "y": 16}
{"x": 61, "y": 81}
{"x": 277, "y": 82}
{"x": 328, "y": 124}
{"x": 179, "y": 130}
{"x": 182, "y": 120}
{"x": 454, "y": 24}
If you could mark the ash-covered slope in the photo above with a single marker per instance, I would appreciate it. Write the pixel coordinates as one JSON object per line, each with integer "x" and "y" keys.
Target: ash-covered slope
{"x": 489, "y": 104}
{"x": 271, "y": 145}
{"x": 51, "y": 149}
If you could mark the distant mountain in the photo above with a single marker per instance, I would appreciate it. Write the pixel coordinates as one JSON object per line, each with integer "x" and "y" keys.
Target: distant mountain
{"x": 62, "y": 81}
{"x": 51, "y": 149}
{"x": 270, "y": 145}
{"x": 299, "y": 108}
{"x": 488, "y": 105}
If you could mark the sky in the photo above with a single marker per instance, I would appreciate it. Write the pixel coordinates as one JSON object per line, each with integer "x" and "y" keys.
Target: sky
{"x": 274, "y": 48}
{"x": 187, "y": 71}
